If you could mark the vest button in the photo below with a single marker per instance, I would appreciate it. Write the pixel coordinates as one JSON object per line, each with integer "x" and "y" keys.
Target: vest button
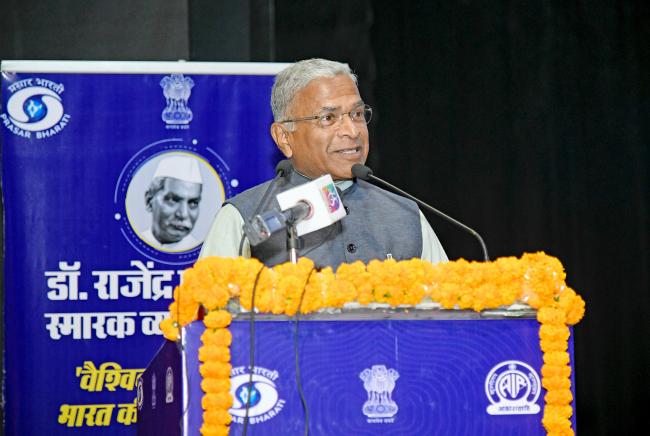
{"x": 352, "y": 248}
{"x": 347, "y": 210}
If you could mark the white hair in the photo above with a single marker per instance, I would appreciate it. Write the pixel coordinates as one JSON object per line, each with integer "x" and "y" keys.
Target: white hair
{"x": 294, "y": 78}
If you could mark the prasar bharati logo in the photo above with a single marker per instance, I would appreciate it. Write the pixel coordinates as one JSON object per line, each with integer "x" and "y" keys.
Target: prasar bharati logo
{"x": 177, "y": 90}
{"x": 169, "y": 385}
{"x": 265, "y": 402}
{"x": 379, "y": 383}
{"x": 513, "y": 388}
{"x": 35, "y": 108}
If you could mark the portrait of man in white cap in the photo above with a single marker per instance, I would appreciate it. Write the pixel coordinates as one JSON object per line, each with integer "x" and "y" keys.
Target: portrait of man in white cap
{"x": 173, "y": 199}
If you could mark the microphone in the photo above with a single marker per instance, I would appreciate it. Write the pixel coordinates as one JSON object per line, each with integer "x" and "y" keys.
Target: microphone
{"x": 310, "y": 207}
{"x": 282, "y": 171}
{"x": 269, "y": 222}
{"x": 362, "y": 172}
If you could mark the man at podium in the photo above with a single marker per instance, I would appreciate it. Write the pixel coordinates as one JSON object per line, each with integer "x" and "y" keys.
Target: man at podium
{"x": 320, "y": 124}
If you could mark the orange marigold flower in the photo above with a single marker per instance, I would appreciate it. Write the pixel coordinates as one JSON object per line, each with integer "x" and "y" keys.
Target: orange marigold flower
{"x": 556, "y": 383}
{"x": 214, "y": 386}
{"x": 550, "y": 315}
{"x": 553, "y": 423}
{"x": 214, "y": 429}
{"x": 558, "y": 411}
{"x": 221, "y": 337}
{"x": 216, "y": 399}
{"x": 219, "y": 370}
{"x": 170, "y": 329}
{"x": 548, "y": 345}
{"x": 213, "y": 417}
{"x": 217, "y": 319}
{"x": 554, "y": 332}
{"x": 559, "y": 397}
{"x": 556, "y": 358}
{"x": 563, "y": 371}
{"x": 214, "y": 353}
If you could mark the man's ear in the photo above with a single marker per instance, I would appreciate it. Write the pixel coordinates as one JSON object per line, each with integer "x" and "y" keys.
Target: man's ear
{"x": 282, "y": 139}
{"x": 147, "y": 201}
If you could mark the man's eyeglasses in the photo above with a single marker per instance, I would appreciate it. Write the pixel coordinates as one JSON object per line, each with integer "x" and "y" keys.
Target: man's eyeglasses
{"x": 361, "y": 114}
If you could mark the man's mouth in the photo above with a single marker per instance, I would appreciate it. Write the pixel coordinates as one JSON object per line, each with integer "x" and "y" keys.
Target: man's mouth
{"x": 349, "y": 151}
{"x": 179, "y": 228}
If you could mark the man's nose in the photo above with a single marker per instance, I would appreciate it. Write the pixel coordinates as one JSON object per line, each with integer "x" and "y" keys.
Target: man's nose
{"x": 182, "y": 211}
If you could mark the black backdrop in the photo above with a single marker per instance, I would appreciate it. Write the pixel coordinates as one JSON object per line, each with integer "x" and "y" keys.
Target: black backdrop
{"x": 527, "y": 120}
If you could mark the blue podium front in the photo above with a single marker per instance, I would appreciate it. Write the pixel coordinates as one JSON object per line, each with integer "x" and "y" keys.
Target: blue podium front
{"x": 407, "y": 373}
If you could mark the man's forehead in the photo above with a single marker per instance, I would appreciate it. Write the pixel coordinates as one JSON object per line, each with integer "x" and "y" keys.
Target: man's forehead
{"x": 329, "y": 93}
{"x": 182, "y": 186}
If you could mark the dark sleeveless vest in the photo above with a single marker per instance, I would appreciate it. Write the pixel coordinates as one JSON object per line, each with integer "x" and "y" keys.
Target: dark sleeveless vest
{"x": 379, "y": 223}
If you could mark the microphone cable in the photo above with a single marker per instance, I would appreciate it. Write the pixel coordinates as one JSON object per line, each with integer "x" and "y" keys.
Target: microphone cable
{"x": 301, "y": 394}
{"x": 251, "y": 356}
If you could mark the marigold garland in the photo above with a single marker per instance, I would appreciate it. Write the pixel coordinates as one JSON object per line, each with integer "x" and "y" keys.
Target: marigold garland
{"x": 535, "y": 279}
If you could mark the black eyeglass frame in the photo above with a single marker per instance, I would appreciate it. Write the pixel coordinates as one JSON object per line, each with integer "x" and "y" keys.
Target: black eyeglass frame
{"x": 366, "y": 110}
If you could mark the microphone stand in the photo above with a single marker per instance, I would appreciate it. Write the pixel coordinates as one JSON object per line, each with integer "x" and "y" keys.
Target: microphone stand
{"x": 293, "y": 243}
{"x": 365, "y": 173}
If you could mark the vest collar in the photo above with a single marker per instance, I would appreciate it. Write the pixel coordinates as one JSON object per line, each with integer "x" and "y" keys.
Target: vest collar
{"x": 297, "y": 178}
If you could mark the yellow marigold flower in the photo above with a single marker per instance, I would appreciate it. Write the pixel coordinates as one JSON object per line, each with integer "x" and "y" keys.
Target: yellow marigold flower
{"x": 214, "y": 386}
{"x": 221, "y": 337}
{"x": 574, "y": 307}
{"x": 217, "y": 416}
{"x": 565, "y": 432}
{"x": 555, "y": 423}
{"x": 564, "y": 412}
{"x": 183, "y": 313}
{"x": 214, "y": 399}
{"x": 217, "y": 319}
{"x": 563, "y": 371}
{"x": 550, "y": 315}
{"x": 548, "y": 345}
{"x": 214, "y": 429}
{"x": 559, "y": 397}
{"x": 356, "y": 274}
{"x": 555, "y": 383}
{"x": 215, "y": 370}
{"x": 556, "y": 358}
{"x": 214, "y": 353}
{"x": 554, "y": 332}
{"x": 169, "y": 329}
{"x": 465, "y": 301}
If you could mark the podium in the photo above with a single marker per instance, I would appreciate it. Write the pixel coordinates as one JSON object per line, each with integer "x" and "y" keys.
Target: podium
{"x": 363, "y": 372}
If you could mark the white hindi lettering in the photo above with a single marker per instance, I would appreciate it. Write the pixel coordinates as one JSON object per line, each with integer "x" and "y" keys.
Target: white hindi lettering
{"x": 91, "y": 325}
{"x": 146, "y": 282}
{"x": 150, "y": 324}
{"x": 64, "y": 283}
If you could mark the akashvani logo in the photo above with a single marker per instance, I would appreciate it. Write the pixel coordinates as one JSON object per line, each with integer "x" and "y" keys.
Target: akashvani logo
{"x": 513, "y": 388}
{"x": 35, "y": 109}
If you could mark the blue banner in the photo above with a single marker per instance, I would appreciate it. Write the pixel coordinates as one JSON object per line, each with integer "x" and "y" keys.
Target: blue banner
{"x": 111, "y": 180}
{"x": 363, "y": 377}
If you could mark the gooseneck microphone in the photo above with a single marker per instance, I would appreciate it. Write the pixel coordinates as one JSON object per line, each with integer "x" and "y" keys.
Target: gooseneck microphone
{"x": 364, "y": 173}
{"x": 282, "y": 171}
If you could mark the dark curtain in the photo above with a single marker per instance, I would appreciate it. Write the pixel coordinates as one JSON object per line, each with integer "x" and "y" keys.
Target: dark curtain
{"x": 528, "y": 121}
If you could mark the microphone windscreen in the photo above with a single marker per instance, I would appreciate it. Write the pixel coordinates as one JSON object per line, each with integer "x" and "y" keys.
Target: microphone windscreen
{"x": 361, "y": 171}
{"x": 283, "y": 167}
